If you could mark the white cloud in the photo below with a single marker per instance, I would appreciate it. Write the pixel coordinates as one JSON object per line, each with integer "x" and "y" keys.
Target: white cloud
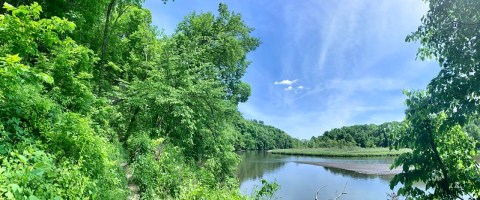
{"x": 290, "y": 85}
{"x": 285, "y": 82}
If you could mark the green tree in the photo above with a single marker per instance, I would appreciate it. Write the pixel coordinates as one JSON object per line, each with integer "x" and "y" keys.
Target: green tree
{"x": 172, "y": 89}
{"x": 449, "y": 33}
{"x": 434, "y": 118}
{"x": 255, "y": 135}
{"x": 225, "y": 40}
{"x": 442, "y": 155}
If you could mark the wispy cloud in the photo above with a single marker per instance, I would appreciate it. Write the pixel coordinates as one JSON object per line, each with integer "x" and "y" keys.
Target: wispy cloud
{"x": 366, "y": 84}
{"x": 354, "y": 60}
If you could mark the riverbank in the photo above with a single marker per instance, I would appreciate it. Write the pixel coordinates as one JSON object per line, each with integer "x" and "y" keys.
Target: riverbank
{"x": 341, "y": 152}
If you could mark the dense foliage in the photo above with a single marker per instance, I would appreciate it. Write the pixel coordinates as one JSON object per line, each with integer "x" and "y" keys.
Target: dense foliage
{"x": 367, "y": 135}
{"x": 75, "y": 107}
{"x": 436, "y": 125}
{"x": 473, "y": 129}
{"x": 255, "y": 135}
{"x": 48, "y": 147}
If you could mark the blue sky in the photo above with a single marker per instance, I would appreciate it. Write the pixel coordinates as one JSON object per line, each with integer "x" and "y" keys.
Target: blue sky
{"x": 322, "y": 64}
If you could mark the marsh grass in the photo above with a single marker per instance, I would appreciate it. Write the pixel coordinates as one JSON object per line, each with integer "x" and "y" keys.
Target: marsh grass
{"x": 341, "y": 152}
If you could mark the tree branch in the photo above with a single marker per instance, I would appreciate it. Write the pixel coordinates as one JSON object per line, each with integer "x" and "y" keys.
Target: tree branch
{"x": 316, "y": 193}
{"x": 343, "y": 192}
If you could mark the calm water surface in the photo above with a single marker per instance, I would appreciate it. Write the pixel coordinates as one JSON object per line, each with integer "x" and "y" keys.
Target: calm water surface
{"x": 300, "y": 181}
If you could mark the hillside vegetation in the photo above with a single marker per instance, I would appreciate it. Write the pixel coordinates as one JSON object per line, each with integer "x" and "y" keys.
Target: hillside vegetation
{"x": 255, "y": 135}
{"x": 87, "y": 87}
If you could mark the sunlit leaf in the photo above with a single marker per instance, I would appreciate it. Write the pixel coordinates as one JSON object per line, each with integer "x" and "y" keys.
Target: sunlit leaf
{"x": 46, "y": 78}
{"x": 8, "y": 6}
{"x": 11, "y": 59}
{"x": 14, "y": 187}
{"x": 33, "y": 197}
{"x": 22, "y": 158}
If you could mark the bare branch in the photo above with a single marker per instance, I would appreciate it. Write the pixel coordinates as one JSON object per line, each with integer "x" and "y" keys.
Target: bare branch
{"x": 316, "y": 193}
{"x": 343, "y": 192}
{"x": 393, "y": 196}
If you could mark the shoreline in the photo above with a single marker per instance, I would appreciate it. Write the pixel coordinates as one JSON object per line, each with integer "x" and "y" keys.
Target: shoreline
{"x": 341, "y": 152}
{"x": 368, "y": 169}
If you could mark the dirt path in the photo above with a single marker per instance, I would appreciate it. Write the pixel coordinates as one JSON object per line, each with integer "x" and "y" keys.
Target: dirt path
{"x": 374, "y": 169}
{"x": 134, "y": 189}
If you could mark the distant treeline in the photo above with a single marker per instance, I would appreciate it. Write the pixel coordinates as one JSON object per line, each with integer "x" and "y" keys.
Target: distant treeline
{"x": 255, "y": 135}
{"x": 368, "y": 135}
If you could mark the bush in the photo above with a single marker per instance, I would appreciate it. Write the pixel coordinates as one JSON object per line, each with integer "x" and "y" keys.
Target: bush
{"x": 34, "y": 174}
{"x": 138, "y": 145}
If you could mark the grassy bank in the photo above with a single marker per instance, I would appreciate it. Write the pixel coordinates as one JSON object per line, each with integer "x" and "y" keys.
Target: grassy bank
{"x": 341, "y": 152}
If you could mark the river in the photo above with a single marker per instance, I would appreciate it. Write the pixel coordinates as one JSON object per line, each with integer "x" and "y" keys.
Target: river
{"x": 300, "y": 180}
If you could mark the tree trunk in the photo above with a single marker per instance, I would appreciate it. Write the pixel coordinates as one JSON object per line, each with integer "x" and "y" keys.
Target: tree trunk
{"x": 131, "y": 124}
{"x": 103, "y": 52}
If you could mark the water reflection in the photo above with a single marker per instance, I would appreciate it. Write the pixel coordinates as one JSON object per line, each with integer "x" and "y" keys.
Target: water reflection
{"x": 300, "y": 181}
{"x": 356, "y": 175}
{"x": 256, "y": 163}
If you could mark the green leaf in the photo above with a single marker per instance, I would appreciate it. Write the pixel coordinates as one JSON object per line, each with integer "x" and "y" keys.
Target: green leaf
{"x": 37, "y": 172}
{"x": 33, "y": 197}
{"x": 8, "y": 6}
{"x": 22, "y": 158}
{"x": 37, "y": 9}
{"x": 9, "y": 195}
{"x": 84, "y": 75}
{"x": 114, "y": 66}
{"x": 14, "y": 187}
{"x": 12, "y": 59}
{"x": 3, "y": 150}
{"x": 46, "y": 78}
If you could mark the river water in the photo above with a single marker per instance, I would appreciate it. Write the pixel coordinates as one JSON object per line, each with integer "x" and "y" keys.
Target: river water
{"x": 301, "y": 181}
